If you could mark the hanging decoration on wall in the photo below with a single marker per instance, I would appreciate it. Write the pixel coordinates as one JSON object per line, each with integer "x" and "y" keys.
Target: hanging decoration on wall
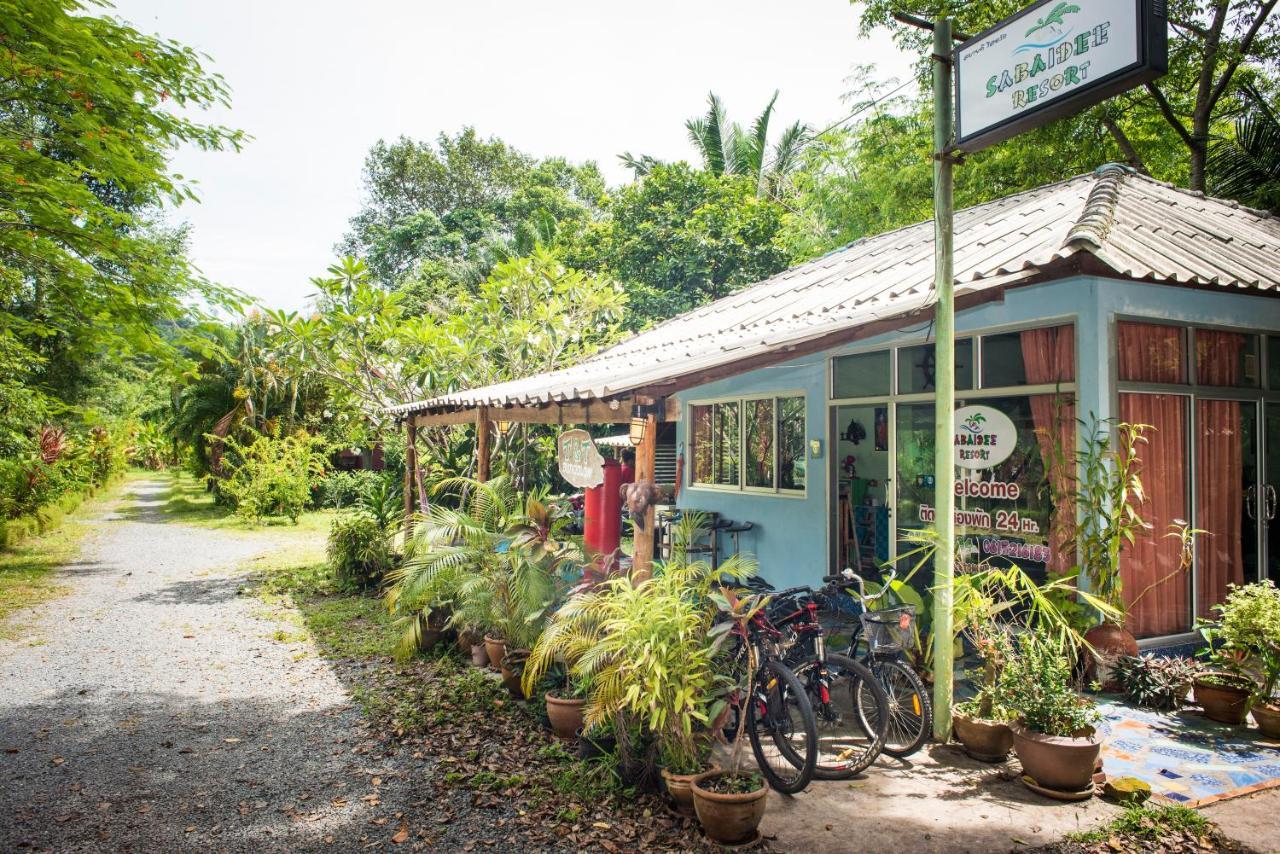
{"x": 855, "y": 432}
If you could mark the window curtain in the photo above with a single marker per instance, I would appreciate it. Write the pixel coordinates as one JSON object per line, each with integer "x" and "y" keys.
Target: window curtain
{"x": 1220, "y": 470}
{"x": 1162, "y": 464}
{"x": 1049, "y": 356}
{"x": 1151, "y": 353}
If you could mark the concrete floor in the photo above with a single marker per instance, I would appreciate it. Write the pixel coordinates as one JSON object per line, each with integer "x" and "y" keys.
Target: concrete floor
{"x": 1252, "y": 820}
{"x": 937, "y": 800}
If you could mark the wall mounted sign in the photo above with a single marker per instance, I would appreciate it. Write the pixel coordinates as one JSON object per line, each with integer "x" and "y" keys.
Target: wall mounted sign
{"x": 579, "y": 458}
{"x": 1052, "y": 59}
{"x": 983, "y": 437}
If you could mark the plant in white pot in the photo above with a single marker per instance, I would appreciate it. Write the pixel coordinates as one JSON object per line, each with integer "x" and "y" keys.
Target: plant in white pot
{"x": 1054, "y": 733}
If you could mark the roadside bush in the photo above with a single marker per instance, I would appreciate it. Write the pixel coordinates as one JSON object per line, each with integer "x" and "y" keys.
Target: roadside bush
{"x": 341, "y": 489}
{"x": 359, "y": 550}
{"x": 272, "y": 475}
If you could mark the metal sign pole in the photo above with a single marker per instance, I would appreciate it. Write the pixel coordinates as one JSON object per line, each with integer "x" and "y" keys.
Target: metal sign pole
{"x": 944, "y": 384}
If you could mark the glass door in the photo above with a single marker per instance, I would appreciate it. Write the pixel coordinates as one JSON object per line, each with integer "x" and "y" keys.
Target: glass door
{"x": 1265, "y": 499}
{"x": 1230, "y": 503}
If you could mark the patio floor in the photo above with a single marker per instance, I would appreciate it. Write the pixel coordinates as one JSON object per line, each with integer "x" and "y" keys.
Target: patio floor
{"x": 1186, "y": 757}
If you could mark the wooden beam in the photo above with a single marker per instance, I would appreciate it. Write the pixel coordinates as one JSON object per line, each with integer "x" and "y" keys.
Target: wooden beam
{"x": 484, "y": 433}
{"x": 410, "y": 471}
{"x": 642, "y": 554}
{"x": 568, "y": 414}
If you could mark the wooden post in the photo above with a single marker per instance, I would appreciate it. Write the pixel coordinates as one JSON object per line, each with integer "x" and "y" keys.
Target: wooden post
{"x": 483, "y": 429}
{"x": 642, "y": 556}
{"x": 410, "y": 471}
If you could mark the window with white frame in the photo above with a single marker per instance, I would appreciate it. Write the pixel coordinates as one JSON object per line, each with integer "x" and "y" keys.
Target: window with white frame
{"x": 751, "y": 443}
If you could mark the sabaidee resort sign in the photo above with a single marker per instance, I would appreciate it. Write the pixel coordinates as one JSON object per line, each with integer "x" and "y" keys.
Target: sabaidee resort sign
{"x": 983, "y": 437}
{"x": 1053, "y": 59}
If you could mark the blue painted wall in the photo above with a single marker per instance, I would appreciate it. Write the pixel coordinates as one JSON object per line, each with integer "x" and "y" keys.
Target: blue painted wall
{"x": 791, "y": 536}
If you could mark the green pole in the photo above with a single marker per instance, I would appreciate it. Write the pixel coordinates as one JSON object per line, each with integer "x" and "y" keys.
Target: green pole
{"x": 945, "y": 395}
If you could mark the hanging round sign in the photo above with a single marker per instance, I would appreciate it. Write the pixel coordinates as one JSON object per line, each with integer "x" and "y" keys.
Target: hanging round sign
{"x": 579, "y": 458}
{"x": 984, "y": 437}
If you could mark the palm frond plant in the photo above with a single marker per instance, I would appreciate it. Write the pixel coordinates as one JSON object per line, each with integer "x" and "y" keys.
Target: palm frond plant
{"x": 1246, "y": 165}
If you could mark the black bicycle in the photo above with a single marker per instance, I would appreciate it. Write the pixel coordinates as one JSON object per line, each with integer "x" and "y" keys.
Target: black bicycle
{"x": 879, "y": 641}
{"x": 848, "y": 740}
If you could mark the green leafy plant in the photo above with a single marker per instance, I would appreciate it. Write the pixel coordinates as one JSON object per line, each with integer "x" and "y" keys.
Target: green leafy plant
{"x": 1245, "y": 640}
{"x": 359, "y": 550}
{"x": 1156, "y": 682}
{"x": 1036, "y": 684}
{"x": 271, "y": 475}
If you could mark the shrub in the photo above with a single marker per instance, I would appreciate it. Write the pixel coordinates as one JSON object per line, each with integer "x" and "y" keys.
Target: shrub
{"x": 341, "y": 489}
{"x": 1249, "y": 630}
{"x": 1036, "y": 685}
{"x": 272, "y": 475}
{"x": 359, "y": 550}
{"x": 1156, "y": 682}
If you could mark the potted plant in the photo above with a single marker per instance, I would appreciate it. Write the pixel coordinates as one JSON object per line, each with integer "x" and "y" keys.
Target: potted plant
{"x": 1156, "y": 682}
{"x": 1244, "y": 649}
{"x": 565, "y": 705}
{"x": 1054, "y": 735}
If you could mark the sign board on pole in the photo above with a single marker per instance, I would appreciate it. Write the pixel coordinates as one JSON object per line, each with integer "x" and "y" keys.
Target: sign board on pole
{"x": 579, "y": 459}
{"x": 1052, "y": 59}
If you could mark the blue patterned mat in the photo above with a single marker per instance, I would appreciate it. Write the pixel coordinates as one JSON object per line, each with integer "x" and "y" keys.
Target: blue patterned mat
{"x": 1186, "y": 757}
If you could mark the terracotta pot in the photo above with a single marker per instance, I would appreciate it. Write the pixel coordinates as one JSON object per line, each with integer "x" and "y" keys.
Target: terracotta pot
{"x": 497, "y": 649}
{"x": 565, "y": 715}
{"x": 512, "y": 668}
{"x": 1108, "y": 641}
{"x": 479, "y": 655}
{"x": 728, "y": 819}
{"x": 1062, "y": 763}
{"x": 1226, "y": 704}
{"x": 1267, "y": 716}
{"x": 986, "y": 741}
{"x": 680, "y": 790}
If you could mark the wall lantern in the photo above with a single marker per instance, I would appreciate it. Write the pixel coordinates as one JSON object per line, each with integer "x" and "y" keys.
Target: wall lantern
{"x": 504, "y": 427}
{"x": 640, "y": 414}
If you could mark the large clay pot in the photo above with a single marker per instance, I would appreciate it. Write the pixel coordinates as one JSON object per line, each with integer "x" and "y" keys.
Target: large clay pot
{"x": 728, "y": 819}
{"x": 986, "y": 741}
{"x": 512, "y": 668}
{"x": 1109, "y": 641}
{"x": 1063, "y": 763}
{"x": 565, "y": 715}
{"x": 1267, "y": 716}
{"x": 497, "y": 649}
{"x": 1225, "y": 703}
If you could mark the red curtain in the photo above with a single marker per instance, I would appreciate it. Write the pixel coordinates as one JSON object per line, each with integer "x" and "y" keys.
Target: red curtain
{"x": 1151, "y": 353}
{"x": 1162, "y": 465}
{"x": 1049, "y": 356}
{"x": 1220, "y": 470}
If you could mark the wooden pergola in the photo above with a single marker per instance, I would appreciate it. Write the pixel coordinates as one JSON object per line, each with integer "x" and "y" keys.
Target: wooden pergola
{"x": 616, "y": 410}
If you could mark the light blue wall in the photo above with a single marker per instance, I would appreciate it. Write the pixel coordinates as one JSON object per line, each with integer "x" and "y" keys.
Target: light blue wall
{"x": 791, "y": 536}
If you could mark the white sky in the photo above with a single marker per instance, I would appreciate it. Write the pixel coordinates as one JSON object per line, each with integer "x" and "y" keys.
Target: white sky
{"x": 316, "y": 82}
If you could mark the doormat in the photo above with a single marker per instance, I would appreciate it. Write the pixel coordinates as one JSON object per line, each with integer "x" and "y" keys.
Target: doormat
{"x": 1187, "y": 758}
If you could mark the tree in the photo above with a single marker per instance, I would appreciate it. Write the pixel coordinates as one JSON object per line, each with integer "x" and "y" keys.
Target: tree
{"x": 90, "y": 111}
{"x": 450, "y": 210}
{"x": 1246, "y": 165}
{"x": 726, "y": 149}
{"x": 1214, "y": 45}
{"x": 680, "y": 237}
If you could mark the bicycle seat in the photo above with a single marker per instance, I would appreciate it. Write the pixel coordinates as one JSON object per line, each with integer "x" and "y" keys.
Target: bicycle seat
{"x": 738, "y": 528}
{"x": 759, "y": 585}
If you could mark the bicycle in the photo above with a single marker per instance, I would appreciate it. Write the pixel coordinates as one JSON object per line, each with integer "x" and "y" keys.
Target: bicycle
{"x": 881, "y": 635}
{"x": 848, "y": 742}
{"x": 780, "y": 719}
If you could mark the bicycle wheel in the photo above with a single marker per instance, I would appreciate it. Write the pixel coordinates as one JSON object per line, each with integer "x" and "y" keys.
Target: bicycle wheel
{"x": 910, "y": 718}
{"x": 784, "y": 737}
{"x": 846, "y": 745}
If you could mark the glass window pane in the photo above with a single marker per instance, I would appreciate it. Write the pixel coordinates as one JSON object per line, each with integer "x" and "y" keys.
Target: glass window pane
{"x": 700, "y": 444}
{"x": 1273, "y": 361}
{"x": 916, "y": 367}
{"x": 758, "y": 470}
{"x": 792, "y": 454}
{"x": 1030, "y": 357}
{"x": 726, "y": 428}
{"x": 1226, "y": 358}
{"x": 863, "y": 375}
{"x": 1151, "y": 353}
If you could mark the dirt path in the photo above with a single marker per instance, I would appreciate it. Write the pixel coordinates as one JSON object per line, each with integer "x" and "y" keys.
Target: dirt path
{"x": 153, "y": 711}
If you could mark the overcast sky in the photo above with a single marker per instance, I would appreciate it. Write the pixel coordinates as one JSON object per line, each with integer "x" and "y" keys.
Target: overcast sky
{"x": 317, "y": 82}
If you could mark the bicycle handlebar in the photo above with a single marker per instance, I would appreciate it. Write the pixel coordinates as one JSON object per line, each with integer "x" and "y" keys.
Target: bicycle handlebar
{"x": 845, "y": 579}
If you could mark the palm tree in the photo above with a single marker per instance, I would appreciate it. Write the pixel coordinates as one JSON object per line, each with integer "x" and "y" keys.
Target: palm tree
{"x": 727, "y": 149}
{"x": 1246, "y": 167}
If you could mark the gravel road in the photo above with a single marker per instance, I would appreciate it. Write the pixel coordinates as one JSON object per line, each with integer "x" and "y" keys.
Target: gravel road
{"x": 151, "y": 710}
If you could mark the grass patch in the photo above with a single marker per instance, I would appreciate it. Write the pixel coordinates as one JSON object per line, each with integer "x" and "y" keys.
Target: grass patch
{"x": 1149, "y": 823}
{"x": 26, "y": 569}
{"x": 189, "y": 502}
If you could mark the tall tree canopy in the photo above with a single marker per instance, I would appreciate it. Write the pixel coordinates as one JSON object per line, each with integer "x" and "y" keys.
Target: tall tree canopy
{"x": 90, "y": 110}
{"x": 451, "y": 209}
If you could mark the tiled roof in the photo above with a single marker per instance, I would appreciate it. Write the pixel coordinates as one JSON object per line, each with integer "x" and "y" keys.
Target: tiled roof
{"x": 1140, "y": 228}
